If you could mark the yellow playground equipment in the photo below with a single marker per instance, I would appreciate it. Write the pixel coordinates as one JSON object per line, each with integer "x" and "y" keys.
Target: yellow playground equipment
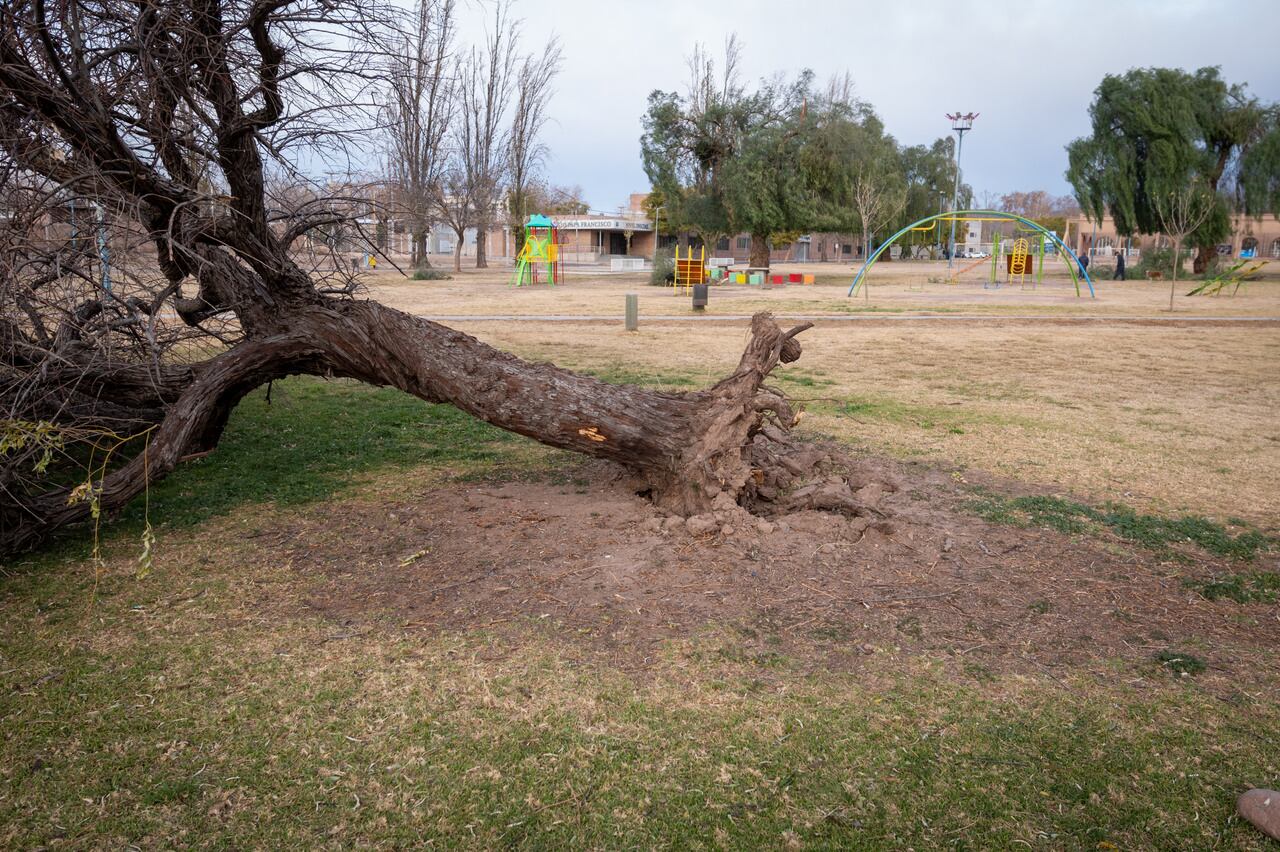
{"x": 1018, "y": 261}
{"x": 689, "y": 270}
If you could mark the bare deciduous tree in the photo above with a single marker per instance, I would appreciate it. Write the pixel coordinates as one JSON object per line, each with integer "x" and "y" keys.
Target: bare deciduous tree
{"x": 1180, "y": 212}
{"x": 525, "y": 150}
{"x": 485, "y": 75}
{"x": 419, "y": 108}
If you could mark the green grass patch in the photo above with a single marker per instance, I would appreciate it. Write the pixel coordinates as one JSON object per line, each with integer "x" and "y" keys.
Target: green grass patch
{"x": 950, "y": 418}
{"x": 1151, "y": 531}
{"x": 272, "y": 737}
{"x": 313, "y": 439}
{"x": 1248, "y": 587}
{"x": 1181, "y": 663}
{"x": 653, "y": 380}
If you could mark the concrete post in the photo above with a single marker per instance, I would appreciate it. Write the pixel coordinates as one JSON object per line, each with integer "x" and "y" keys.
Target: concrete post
{"x": 633, "y": 312}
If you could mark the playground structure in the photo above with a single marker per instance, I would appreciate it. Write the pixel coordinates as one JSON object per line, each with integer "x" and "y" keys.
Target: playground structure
{"x": 1046, "y": 238}
{"x": 689, "y": 270}
{"x": 541, "y": 247}
{"x": 1018, "y": 260}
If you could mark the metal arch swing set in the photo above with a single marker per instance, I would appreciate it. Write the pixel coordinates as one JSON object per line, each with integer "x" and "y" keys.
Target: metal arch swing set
{"x": 1019, "y": 262}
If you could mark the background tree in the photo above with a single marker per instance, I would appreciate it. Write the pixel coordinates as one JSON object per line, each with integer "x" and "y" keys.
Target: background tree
{"x": 1158, "y": 130}
{"x": 762, "y": 191}
{"x": 456, "y": 204}
{"x": 690, "y": 139}
{"x": 481, "y": 135}
{"x": 553, "y": 200}
{"x": 1180, "y": 212}
{"x": 418, "y": 112}
{"x": 929, "y": 173}
{"x": 854, "y": 171}
{"x": 525, "y": 151}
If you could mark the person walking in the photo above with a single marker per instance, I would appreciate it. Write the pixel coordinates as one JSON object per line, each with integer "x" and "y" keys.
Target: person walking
{"x": 1084, "y": 263}
{"x": 1119, "y": 276}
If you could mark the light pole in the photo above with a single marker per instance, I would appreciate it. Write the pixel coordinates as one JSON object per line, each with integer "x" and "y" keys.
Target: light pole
{"x": 959, "y": 123}
{"x": 656, "y": 213}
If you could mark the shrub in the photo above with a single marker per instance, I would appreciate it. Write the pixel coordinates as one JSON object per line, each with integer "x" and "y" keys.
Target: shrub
{"x": 664, "y": 266}
{"x": 429, "y": 274}
{"x": 1159, "y": 260}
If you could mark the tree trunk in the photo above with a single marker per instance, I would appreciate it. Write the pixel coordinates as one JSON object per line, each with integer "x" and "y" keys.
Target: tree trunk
{"x": 420, "y": 242}
{"x": 1205, "y": 255}
{"x": 686, "y": 449}
{"x": 482, "y": 240}
{"x": 759, "y": 250}
{"x": 457, "y": 250}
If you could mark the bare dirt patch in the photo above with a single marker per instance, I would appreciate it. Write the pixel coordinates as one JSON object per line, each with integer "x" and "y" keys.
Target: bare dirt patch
{"x": 602, "y": 566}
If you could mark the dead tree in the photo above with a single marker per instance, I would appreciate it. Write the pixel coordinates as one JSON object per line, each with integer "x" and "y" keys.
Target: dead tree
{"x": 121, "y": 97}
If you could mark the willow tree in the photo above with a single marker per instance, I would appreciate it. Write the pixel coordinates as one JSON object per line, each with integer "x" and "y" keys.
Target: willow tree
{"x": 1159, "y": 130}
{"x": 171, "y": 114}
{"x": 720, "y": 154}
{"x": 854, "y": 170}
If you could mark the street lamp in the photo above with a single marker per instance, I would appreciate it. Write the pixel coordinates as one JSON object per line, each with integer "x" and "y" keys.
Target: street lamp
{"x": 959, "y": 123}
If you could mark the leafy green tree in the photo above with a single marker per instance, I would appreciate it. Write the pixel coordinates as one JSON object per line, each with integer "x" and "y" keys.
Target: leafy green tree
{"x": 854, "y": 171}
{"x": 762, "y": 191}
{"x": 1157, "y": 131}
{"x": 721, "y": 155}
{"x": 930, "y": 176}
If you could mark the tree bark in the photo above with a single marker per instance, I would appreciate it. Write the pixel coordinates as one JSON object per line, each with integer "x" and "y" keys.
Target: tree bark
{"x": 1204, "y": 256}
{"x": 482, "y": 242}
{"x": 759, "y": 250}
{"x": 457, "y": 251}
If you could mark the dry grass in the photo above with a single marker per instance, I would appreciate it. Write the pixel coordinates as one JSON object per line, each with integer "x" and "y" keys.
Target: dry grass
{"x": 895, "y": 289}
{"x": 1168, "y": 419}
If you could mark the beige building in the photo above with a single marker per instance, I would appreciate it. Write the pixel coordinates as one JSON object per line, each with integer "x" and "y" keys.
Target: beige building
{"x": 1250, "y": 238}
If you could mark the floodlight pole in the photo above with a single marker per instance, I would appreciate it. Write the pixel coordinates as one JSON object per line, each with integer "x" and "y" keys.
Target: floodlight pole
{"x": 959, "y": 123}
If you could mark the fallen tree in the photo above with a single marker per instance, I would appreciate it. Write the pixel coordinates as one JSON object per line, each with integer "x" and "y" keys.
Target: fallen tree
{"x": 167, "y": 113}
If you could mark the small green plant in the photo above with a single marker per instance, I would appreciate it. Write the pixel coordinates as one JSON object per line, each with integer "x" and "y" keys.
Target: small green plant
{"x": 1156, "y": 260}
{"x": 1040, "y": 607}
{"x": 429, "y": 274}
{"x": 664, "y": 268}
{"x": 1250, "y": 587}
{"x": 1181, "y": 663}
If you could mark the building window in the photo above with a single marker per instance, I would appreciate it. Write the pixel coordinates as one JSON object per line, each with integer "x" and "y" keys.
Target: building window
{"x": 722, "y": 244}
{"x": 847, "y": 248}
{"x": 744, "y": 242}
{"x": 1249, "y": 247}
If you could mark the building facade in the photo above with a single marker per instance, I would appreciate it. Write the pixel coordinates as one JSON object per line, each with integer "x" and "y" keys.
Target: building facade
{"x": 1250, "y": 238}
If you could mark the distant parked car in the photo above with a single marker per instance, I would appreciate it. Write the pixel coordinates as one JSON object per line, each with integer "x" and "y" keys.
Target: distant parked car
{"x": 975, "y": 253}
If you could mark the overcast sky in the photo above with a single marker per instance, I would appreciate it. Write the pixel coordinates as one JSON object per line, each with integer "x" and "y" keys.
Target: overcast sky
{"x": 1029, "y": 69}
